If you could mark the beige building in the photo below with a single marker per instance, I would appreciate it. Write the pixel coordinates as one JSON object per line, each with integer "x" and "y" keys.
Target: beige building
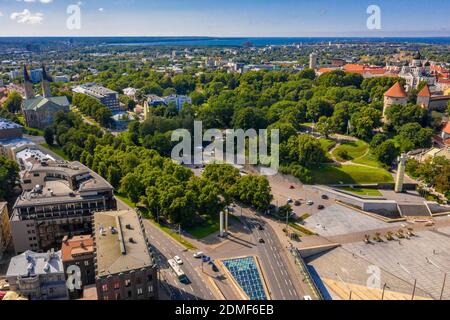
{"x": 124, "y": 265}
{"x": 58, "y": 200}
{"x": 5, "y": 229}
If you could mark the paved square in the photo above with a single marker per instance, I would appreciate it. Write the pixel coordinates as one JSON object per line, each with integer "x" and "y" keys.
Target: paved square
{"x": 407, "y": 259}
{"x": 338, "y": 220}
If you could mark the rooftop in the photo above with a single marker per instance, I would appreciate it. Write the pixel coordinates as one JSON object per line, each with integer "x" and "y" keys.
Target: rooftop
{"x": 7, "y": 124}
{"x": 39, "y": 102}
{"x": 425, "y": 92}
{"x": 396, "y": 91}
{"x": 75, "y": 181}
{"x": 120, "y": 243}
{"x": 31, "y": 263}
{"x": 76, "y": 247}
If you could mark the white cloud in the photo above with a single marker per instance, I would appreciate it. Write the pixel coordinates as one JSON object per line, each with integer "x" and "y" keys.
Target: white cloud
{"x": 27, "y": 17}
{"x": 101, "y": 9}
{"x": 1, "y": 14}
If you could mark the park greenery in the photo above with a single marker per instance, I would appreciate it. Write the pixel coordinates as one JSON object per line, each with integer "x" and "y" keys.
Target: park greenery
{"x": 9, "y": 177}
{"x": 168, "y": 191}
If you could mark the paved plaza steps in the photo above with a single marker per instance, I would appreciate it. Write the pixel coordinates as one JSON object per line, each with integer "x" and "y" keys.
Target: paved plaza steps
{"x": 414, "y": 210}
{"x": 342, "y": 290}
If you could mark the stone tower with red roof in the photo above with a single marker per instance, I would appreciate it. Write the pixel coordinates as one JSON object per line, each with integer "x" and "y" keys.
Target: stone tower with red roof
{"x": 395, "y": 95}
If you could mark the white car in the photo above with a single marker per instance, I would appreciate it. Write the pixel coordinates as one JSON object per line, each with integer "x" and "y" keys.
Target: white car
{"x": 198, "y": 255}
{"x": 310, "y": 203}
{"x": 307, "y": 298}
{"x": 178, "y": 260}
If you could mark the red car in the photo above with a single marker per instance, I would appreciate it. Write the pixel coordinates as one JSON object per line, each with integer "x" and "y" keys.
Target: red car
{"x": 291, "y": 187}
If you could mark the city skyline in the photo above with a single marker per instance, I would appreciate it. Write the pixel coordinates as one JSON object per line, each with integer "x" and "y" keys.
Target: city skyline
{"x": 249, "y": 18}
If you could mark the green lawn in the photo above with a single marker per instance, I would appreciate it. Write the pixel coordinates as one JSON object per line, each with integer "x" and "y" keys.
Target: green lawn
{"x": 369, "y": 160}
{"x": 364, "y": 192}
{"x": 327, "y": 144}
{"x": 355, "y": 149}
{"x": 202, "y": 230}
{"x": 174, "y": 235}
{"x": 56, "y": 150}
{"x": 349, "y": 174}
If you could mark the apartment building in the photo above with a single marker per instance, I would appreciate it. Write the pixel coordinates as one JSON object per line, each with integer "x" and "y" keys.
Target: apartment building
{"x": 124, "y": 265}
{"x": 104, "y": 95}
{"x": 58, "y": 199}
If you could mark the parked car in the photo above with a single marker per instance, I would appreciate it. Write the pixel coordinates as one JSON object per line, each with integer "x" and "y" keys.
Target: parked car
{"x": 198, "y": 255}
{"x": 291, "y": 187}
{"x": 290, "y": 200}
{"x": 307, "y": 298}
{"x": 178, "y": 260}
{"x": 324, "y": 197}
{"x": 310, "y": 203}
{"x": 297, "y": 203}
{"x": 206, "y": 259}
{"x": 321, "y": 207}
{"x": 260, "y": 227}
{"x": 214, "y": 268}
{"x": 261, "y": 240}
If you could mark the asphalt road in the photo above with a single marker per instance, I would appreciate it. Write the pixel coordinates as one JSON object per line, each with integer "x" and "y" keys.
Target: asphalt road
{"x": 273, "y": 260}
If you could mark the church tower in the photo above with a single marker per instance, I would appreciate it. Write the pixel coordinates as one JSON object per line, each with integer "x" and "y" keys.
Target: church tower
{"x": 46, "y": 80}
{"x": 27, "y": 84}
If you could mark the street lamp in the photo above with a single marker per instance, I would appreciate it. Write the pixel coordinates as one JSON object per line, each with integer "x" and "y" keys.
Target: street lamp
{"x": 445, "y": 275}
{"x": 415, "y": 280}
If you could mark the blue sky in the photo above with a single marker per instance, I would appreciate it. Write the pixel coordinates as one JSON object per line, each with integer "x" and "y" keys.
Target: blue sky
{"x": 225, "y": 18}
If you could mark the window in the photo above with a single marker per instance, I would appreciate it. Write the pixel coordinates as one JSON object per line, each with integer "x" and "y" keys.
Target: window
{"x": 86, "y": 263}
{"x": 129, "y": 294}
{"x": 138, "y": 280}
{"x": 150, "y": 278}
{"x": 105, "y": 288}
{"x": 127, "y": 282}
{"x": 150, "y": 289}
{"x": 116, "y": 285}
{"x": 139, "y": 291}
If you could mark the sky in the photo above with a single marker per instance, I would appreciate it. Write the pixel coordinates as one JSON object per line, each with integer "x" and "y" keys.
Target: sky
{"x": 256, "y": 18}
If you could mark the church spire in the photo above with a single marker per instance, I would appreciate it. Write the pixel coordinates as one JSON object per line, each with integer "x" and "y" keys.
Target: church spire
{"x": 46, "y": 79}
{"x": 27, "y": 84}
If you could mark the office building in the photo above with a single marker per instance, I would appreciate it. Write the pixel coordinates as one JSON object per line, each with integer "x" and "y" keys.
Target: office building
{"x": 104, "y": 95}
{"x": 58, "y": 199}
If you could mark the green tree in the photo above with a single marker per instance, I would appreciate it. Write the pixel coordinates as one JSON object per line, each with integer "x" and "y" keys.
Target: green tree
{"x": 9, "y": 177}
{"x": 49, "y": 136}
{"x": 386, "y": 152}
{"x": 13, "y": 103}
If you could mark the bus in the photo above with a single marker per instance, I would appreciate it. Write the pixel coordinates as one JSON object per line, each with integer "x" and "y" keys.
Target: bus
{"x": 178, "y": 271}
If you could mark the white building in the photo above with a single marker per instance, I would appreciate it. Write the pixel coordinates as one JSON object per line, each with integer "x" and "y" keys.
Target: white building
{"x": 38, "y": 276}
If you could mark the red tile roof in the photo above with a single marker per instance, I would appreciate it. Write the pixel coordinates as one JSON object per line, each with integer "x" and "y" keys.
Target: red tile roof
{"x": 396, "y": 91}
{"x": 77, "y": 246}
{"x": 446, "y": 128}
{"x": 425, "y": 92}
